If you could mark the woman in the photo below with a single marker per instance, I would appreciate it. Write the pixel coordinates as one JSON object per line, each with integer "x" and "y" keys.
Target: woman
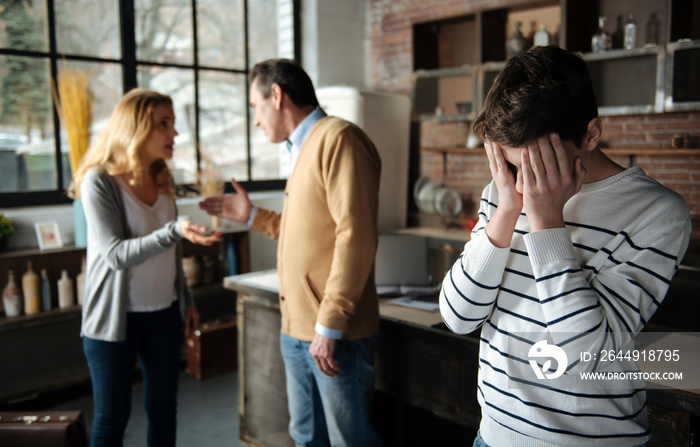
{"x": 135, "y": 289}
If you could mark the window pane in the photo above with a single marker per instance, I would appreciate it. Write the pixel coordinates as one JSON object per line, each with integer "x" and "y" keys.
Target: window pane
{"x": 164, "y": 31}
{"x": 106, "y": 86}
{"x": 179, "y": 84}
{"x": 27, "y": 149}
{"x": 221, "y": 34}
{"x": 88, "y": 28}
{"x": 222, "y": 123}
{"x": 269, "y": 161}
{"x": 23, "y": 25}
{"x": 270, "y": 29}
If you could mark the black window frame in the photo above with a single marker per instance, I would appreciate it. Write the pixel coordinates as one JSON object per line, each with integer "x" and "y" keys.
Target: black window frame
{"x": 129, "y": 64}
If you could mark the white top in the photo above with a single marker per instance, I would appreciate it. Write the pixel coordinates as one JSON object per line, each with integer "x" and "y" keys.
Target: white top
{"x": 146, "y": 280}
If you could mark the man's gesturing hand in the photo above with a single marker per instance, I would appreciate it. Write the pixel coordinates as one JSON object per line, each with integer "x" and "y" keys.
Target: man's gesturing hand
{"x": 232, "y": 206}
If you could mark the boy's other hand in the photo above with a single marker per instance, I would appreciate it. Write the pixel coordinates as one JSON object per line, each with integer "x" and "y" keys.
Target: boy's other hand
{"x": 505, "y": 177}
{"x": 549, "y": 181}
{"x": 510, "y": 202}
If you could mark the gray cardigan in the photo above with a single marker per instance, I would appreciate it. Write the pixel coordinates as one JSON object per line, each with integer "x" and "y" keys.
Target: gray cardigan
{"x": 110, "y": 253}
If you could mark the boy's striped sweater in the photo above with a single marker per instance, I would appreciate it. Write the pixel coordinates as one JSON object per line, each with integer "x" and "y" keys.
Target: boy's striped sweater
{"x": 590, "y": 286}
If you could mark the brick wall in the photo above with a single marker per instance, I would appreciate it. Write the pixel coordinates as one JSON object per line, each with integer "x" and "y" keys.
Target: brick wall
{"x": 391, "y": 66}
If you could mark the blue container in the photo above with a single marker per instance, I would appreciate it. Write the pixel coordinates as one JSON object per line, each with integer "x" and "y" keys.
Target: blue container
{"x": 231, "y": 258}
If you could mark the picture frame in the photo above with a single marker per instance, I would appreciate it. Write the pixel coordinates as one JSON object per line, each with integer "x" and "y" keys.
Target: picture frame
{"x": 48, "y": 235}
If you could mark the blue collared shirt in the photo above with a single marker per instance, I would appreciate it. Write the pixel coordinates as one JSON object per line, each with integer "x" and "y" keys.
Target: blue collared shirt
{"x": 294, "y": 142}
{"x": 296, "y": 139}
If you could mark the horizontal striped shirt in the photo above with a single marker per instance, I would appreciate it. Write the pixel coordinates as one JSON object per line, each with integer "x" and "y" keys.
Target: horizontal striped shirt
{"x": 587, "y": 287}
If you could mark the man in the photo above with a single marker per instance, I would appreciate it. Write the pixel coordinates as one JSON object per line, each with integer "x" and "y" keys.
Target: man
{"x": 572, "y": 254}
{"x": 327, "y": 240}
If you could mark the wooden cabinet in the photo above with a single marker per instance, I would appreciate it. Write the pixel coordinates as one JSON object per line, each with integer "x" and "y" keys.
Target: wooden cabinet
{"x": 446, "y": 93}
{"x": 43, "y": 353}
{"x": 457, "y": 59}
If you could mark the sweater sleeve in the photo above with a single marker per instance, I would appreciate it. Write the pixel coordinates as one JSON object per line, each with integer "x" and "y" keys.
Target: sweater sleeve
{"x": 266, "y": 222}
{"x": 106, "y": 223}
{"x": 351, "y": 169}
{"x": 606, "y": 303}
{"x": 470, "y": 287}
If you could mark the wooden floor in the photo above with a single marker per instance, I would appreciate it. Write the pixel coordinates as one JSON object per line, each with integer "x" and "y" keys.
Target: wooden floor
{"x": 207, "y": 412}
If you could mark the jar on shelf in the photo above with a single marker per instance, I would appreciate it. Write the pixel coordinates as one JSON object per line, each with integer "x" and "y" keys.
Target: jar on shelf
{"x": 208, "y": 270}
{"x": 192, "y": 270}
{"x": 66, "y": 296}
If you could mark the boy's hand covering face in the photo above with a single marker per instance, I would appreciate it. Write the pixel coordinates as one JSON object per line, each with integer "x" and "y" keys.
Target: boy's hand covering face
{"x": 549, "y": 181}
{"x": 506, "y": 176}
{"x": 543, "y": 183}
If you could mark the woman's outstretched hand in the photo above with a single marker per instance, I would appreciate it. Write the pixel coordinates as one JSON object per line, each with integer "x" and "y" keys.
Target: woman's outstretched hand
{"x": 197, "y": 234}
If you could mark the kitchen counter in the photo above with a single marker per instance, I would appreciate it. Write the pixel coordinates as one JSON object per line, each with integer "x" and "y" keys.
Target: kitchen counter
{"x": 448, "y": 235}
{"x": 418, "y": 363}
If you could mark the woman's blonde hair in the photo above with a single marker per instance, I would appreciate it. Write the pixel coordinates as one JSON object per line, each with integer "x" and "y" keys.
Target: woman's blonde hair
{"x": 117, "y": 149}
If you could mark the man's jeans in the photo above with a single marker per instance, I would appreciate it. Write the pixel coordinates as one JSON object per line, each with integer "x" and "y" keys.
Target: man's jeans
{"x": 153, "y": 337}
{"x": 325, "y": 410}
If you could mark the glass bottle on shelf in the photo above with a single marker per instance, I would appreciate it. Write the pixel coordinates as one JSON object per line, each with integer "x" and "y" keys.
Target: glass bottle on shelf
{"x": 601, "y": 41}
{"x": 516, "y": 42}
{"x": 541, "y": 36}
{"x": 31, "y": 286}
{"x": 11, "y": 298}
{"x": 630, "y": 33}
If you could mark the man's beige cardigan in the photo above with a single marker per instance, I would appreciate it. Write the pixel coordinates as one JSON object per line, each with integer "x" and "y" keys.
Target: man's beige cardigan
{"x": 327, "y": 234}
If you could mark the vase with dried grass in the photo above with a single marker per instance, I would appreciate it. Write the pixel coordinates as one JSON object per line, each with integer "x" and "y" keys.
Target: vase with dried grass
{"x": 73, "y": 99}
{"x": 209, "y": 185}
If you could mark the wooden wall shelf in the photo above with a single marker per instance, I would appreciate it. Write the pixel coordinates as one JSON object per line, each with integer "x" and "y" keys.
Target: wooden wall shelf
{"x": 652, "y": 152}
{"x": 609, "y": 151}
{"x": 37, "y": 252}
{"x": 8, "y": 324}
{"x": 457, "y": 59}
{"x": 455, "y": 149}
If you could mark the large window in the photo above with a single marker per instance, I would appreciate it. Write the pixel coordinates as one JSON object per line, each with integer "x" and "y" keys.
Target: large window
{"x": 197, "y": 51}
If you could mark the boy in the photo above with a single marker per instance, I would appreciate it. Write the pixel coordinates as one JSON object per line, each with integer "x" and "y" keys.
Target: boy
{"x": 570, "y": 248}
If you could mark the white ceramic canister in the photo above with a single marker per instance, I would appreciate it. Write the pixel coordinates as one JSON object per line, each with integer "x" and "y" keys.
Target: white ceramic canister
{"x": 66, "y": 298}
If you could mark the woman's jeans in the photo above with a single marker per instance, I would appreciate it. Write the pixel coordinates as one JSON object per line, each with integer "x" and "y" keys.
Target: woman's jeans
{"x": 331, "y": 411}
{"x": 155, "y": 339}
